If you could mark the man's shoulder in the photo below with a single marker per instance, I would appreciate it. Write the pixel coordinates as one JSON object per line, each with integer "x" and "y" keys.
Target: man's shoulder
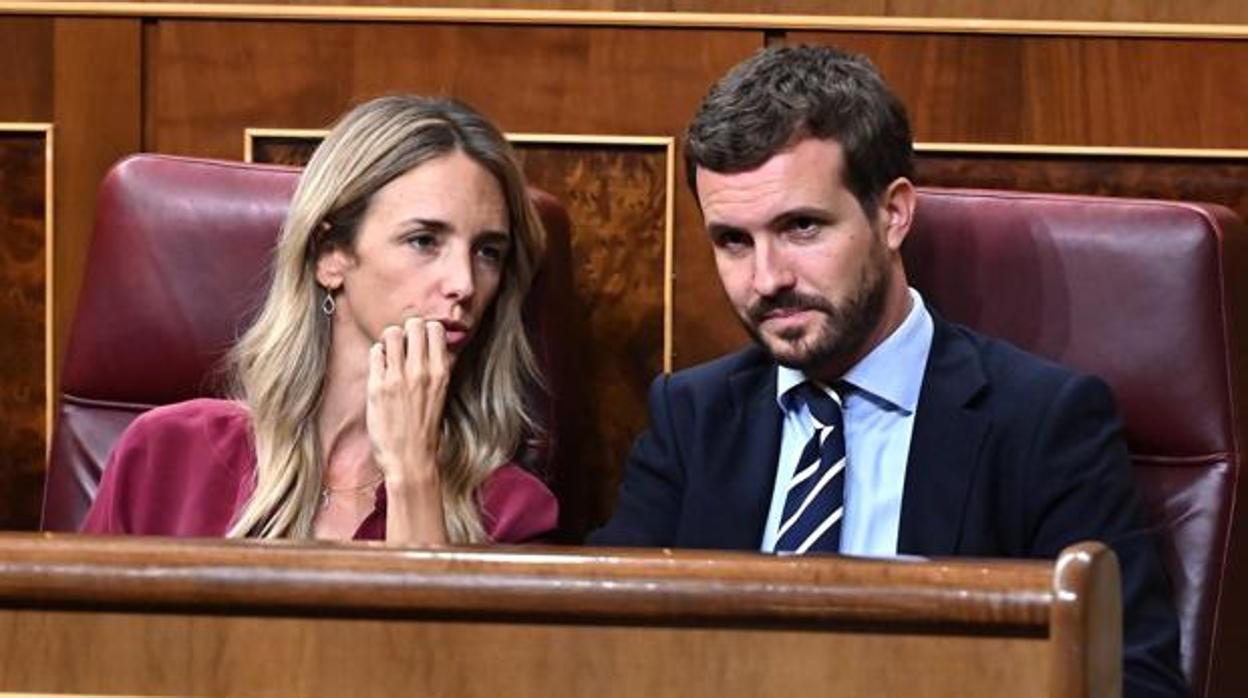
{"x": 716, "y": 374}
{"x": 1012, "y": 372}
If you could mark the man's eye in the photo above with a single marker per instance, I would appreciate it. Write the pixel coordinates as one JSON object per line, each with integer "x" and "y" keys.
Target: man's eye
{"x": 732, "y": 240}
{"x": 804, "y": 225}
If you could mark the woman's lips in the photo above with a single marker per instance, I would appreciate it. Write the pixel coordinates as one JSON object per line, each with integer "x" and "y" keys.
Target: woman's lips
{"x": 457, "y": 333}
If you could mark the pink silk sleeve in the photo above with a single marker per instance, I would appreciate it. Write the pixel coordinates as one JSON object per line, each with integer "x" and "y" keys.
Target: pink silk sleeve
{"x": 517, "y": 506}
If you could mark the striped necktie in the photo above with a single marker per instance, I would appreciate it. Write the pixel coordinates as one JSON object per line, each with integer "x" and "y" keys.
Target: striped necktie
{"x": 815, "y": 502}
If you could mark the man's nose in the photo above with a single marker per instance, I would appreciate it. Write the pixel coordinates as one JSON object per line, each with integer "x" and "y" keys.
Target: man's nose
{"x": 772, "y": 272}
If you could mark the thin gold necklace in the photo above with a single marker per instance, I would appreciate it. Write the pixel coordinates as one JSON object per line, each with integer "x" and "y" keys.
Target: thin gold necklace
{"x": 327, "y": 491}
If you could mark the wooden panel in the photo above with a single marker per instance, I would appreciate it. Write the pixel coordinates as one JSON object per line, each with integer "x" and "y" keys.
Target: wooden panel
{"x": 144, "y": 616}
{"x": 616, "y": 197}
{"x": 175, "y": 655}
{"x": 1062, "y": 90}
{"x": 1207, "y": 11}
{"x": 23, "y": 309}
{"x": 97, "y": 107}
{"x": 26, "y": 64}
{"x": 212, "y": 79}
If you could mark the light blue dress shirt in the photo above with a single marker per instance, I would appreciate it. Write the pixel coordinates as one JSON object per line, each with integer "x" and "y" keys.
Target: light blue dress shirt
{"x": 879, "y": 419}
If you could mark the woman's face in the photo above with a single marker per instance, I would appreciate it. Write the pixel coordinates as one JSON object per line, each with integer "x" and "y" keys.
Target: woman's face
{"x": 432, "y": 244}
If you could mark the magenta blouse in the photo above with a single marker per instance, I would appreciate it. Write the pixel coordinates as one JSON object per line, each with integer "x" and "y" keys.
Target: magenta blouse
{"x": 187, "y": 469}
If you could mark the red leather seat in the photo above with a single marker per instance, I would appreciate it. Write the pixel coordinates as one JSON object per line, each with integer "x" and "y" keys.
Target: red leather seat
{"x": 177, "y": 267}
{"x": 1151, "y": 296}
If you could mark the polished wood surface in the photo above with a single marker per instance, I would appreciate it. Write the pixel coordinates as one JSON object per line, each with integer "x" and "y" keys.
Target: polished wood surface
{"x": 129, "y": 615}
{"x": 96, "y": 107}
{"x": 23, "y": 312}
{"x": 975, "y": 15}
{"x": 1061, "y": 90}
{"x": 615, "y": 196}
{"x": 213, "y": 79}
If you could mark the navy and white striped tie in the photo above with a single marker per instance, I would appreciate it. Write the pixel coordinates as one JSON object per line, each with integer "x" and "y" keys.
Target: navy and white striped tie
{"x": 815, "y": 502}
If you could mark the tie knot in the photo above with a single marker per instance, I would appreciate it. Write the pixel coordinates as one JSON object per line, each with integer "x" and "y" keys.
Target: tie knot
{"x": 824, "y": 403}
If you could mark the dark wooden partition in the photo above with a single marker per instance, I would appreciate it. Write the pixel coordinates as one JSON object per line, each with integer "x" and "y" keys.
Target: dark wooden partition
{"x": 163, "y": 617}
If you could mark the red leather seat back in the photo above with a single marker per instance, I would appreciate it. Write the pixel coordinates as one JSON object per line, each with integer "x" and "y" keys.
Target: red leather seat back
{"x": 1144, "y": 294}
{"x": 178, "y": 266}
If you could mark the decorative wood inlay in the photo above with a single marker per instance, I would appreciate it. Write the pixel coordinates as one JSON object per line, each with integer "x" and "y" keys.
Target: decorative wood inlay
{"x": 26, "y": 276}
{"x": 1213, "y": 176}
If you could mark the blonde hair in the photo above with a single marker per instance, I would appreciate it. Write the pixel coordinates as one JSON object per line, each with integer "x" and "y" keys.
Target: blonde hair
{"x": 278, "y": 367}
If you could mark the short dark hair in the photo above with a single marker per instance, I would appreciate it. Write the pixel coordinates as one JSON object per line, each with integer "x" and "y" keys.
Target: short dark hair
{"x": 785, "y": 94}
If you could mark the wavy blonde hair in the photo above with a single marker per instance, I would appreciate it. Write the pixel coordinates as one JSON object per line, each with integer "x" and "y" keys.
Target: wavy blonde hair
{"x": 278, "y": 367}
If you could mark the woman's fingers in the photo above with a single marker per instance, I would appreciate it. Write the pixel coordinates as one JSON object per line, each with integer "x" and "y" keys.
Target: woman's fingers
{"x": 417, "y": 347}
{"x": 439, "y": 364}
{"x": 376, "y": 366}
{"x": 392, "y": 339}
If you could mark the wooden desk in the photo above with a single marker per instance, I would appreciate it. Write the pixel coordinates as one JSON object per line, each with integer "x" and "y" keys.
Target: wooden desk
{"x": 131, "y": 616}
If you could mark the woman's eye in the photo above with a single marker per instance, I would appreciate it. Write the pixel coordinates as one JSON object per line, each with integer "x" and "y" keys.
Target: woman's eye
{"x": 423, "y": 241}
{"x": 492, "y": 254}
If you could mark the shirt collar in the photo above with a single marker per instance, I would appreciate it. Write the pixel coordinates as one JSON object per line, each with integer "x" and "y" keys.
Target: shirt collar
{"x": 893, "y": 371}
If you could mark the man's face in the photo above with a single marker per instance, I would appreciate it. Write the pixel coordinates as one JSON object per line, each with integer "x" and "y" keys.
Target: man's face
{"x": 806, "y": 270}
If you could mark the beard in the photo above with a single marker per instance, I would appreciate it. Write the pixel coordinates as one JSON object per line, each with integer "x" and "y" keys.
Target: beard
{"x": 839, "y": 334}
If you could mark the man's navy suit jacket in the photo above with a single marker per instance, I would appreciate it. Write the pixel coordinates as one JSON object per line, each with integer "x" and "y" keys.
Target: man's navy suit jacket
{"x": 1011, "y": 456}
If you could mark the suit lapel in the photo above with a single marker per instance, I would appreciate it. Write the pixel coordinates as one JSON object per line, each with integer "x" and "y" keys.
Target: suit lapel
{"x": 746, "y": 466}
{"x": 944, "y": 446}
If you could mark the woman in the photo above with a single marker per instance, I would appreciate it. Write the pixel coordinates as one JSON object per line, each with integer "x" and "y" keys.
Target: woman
{"x": 379, "y": 393}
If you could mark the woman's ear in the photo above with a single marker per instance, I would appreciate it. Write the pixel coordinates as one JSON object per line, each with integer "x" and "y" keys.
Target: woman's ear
{"x": 331, "y": 268}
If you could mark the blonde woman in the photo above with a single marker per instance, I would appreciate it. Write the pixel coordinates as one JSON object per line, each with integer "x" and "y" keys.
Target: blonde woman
{"x": 379, "y": 394}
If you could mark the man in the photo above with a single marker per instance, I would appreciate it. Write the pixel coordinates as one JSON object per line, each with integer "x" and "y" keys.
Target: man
{"x": 860, "y": 422}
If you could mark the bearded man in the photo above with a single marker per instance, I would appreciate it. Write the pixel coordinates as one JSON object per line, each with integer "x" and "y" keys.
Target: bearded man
{"x": 860, "y": 422}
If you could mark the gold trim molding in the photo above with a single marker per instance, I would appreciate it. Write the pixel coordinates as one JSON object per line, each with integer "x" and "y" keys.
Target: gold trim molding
{"x": 1016, "y": 149}
{"x": 598, "y": 18}
{"x": 667, "y": 143}
{"x": 49, "y": 261}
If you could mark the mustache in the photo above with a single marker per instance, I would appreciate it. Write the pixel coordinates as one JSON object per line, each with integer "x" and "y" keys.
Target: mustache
{"x": 788, "y": 299}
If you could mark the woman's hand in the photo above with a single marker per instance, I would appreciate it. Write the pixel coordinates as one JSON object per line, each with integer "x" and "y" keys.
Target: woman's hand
{"x": 408, "y": 374}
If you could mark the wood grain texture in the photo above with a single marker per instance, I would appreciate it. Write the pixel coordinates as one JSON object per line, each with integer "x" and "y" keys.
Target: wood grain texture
{"x": 96, "y": 113}
{"x": 239, "y": 656}
{"x": 26, "y": 64}
{"x": 615, "y": 196}
{"x": 23, "y": 249}
{"x": 1219, "y": 181}
{"x": 165, "y": 616}
{"x": 213, "y": 79}
{"x": 1061, "y": 90}
{"x": 652, "y": 587}
{"x": 1209, "y": 11}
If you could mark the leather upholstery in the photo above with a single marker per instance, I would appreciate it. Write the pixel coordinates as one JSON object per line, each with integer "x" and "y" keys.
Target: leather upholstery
{"x": 177, "y": 268}
{"x": 1149, "y": 295}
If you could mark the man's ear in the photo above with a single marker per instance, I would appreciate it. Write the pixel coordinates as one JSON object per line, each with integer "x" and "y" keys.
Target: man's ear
{"x": 897, "y": 212}
{"x": 331, "y": 268}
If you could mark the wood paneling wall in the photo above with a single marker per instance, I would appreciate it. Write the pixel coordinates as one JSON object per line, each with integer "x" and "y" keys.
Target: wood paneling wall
{"x": 111, "y": 85}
